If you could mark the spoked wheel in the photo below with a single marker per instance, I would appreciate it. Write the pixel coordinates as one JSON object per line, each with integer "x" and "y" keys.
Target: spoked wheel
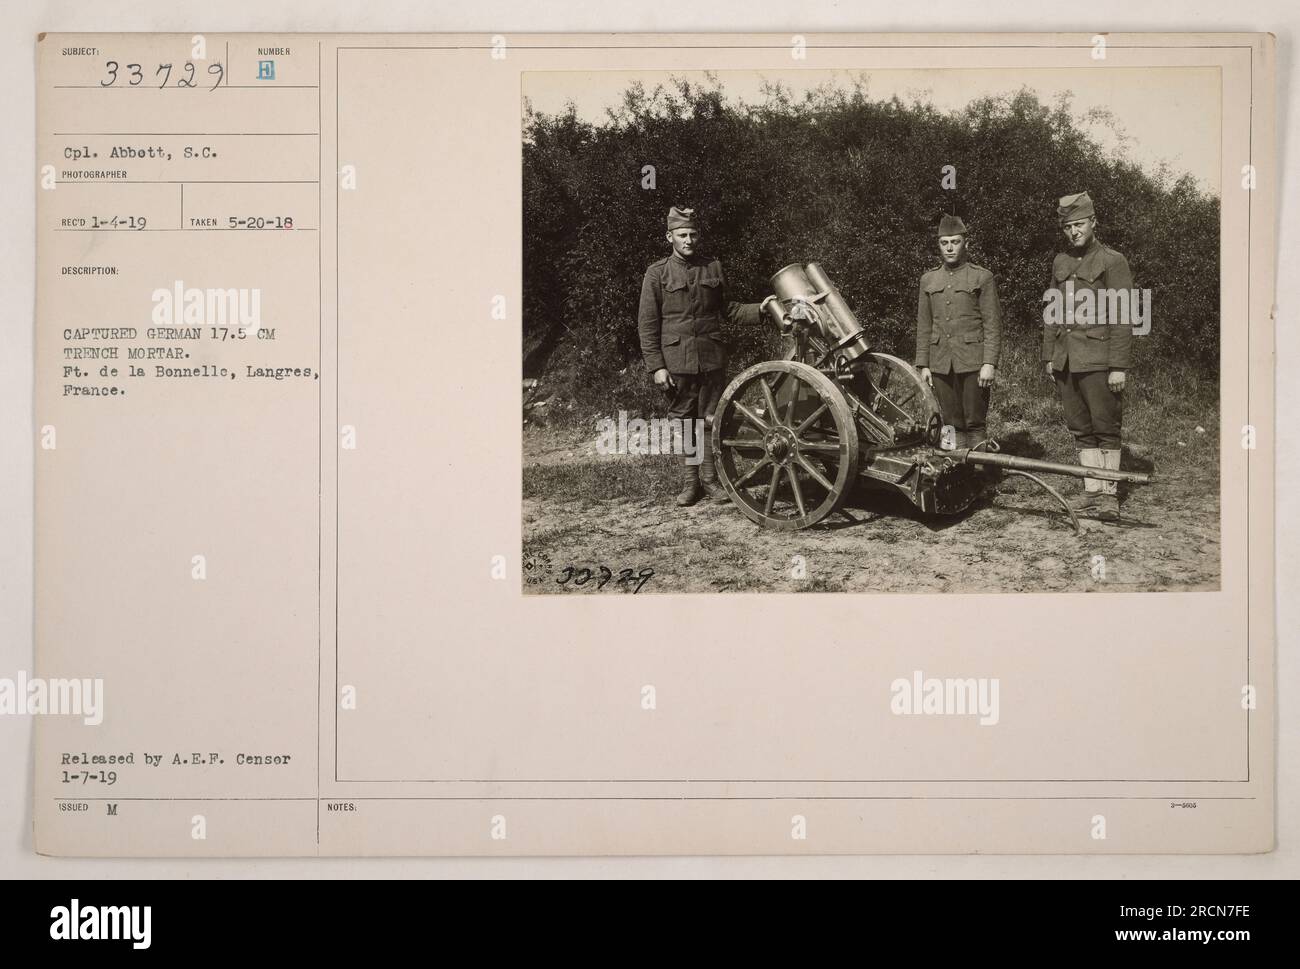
{"x": 897, "y": 392}
{"x": 786, "y": 444}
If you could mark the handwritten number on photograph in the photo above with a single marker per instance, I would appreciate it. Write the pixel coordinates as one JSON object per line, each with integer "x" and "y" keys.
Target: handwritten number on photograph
{"x": 603, "y": 574}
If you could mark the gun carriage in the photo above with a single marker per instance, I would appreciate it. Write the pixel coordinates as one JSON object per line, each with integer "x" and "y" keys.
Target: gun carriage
{"x": 793, "y": 436}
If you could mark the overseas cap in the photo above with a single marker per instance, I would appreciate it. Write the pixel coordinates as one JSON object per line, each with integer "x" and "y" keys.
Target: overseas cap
{"x": 951, "y": 225}
{"x": 681, "y": 219}
{"x": 1071, "y": 208}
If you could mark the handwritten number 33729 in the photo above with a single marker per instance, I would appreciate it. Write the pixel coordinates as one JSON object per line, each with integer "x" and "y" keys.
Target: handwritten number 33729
{"x": 581, "y": 577}
{"x": 135, "y": 74}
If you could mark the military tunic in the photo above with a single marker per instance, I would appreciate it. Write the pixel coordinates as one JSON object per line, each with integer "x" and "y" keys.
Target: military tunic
{"x": 1089, "y": 344}
{"x": 683, "y": 303}
{"x": 1083, "y": 351}
{"x": 959, "y": 330}
{"x": 958, "y": 320}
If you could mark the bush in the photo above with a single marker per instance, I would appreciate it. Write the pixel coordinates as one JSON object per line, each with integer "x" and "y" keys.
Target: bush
{"x": 847, "y": 181}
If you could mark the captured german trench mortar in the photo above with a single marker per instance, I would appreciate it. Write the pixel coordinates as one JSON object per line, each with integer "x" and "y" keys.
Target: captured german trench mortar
{"x": 793, "y": 436}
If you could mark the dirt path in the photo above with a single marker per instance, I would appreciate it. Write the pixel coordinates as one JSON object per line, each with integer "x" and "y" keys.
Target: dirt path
{"x": 1013, "y": 541}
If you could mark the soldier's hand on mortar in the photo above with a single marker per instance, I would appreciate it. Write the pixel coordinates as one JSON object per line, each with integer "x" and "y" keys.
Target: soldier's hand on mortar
{"x": 925, "y": 375}
{"x": 1116, "y": 381}
{"x": 1049, "y": 368}
{"x": 986, "y": 375}
{"x": 664, "y": 380}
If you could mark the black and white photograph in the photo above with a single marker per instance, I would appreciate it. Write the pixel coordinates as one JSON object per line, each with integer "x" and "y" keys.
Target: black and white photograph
{"x": 891, "y": 331}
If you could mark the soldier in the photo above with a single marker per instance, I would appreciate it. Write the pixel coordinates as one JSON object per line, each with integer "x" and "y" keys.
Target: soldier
{"x": 683, "y": 303}
{"x": 959, "y": 334}
{"x": 1085, "y": 353}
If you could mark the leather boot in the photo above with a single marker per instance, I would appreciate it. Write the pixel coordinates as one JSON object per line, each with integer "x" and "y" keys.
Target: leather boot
{"x": 1090, "y": 457}
{"x": 709, "y": 472}
{"x": 690, "y": 492}
{"x": 1108, "y": 509}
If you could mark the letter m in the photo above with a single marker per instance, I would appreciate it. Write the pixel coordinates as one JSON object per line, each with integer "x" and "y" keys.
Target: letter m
{"x": 67, "y": 694}
{"x": 222, "y": 306}
{"x": 962, "y": 696}
{"x": 117, "y": 920}
{"x": 1113, "y": 306}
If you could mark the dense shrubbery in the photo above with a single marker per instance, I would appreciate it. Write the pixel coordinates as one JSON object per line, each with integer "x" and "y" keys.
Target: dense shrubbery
{"x": 853, "y": 183}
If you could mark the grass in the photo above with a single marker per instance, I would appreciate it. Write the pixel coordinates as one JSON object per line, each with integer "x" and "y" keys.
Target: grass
{"x": 543, "y": 540}
{"x": 643, "y": 478}
{"x": 1164, "y": 403}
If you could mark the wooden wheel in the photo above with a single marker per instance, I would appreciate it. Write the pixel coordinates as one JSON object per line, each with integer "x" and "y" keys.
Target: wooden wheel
{"x": 786, "y": 444}
{"x": 888, "y": 386}
{"x": 898, "y": 393}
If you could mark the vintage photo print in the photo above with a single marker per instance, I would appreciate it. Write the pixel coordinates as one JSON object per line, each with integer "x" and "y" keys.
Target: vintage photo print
{"x": 968, "y": 325}
{"x": 949, "y": 330}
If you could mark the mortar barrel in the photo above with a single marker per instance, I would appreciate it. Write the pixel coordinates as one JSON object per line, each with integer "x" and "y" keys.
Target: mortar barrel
{"x": 846, "y": 321}
{"x": 791, "y": 281}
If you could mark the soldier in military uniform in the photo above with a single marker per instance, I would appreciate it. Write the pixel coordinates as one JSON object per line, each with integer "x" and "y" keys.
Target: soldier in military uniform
{"x": 683, "y": 303}
{"x": 1085, "y": 353}
{"x": 959, "y": 334}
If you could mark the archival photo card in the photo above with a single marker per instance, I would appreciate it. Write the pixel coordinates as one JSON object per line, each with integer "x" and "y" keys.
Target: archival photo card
{"x": 653, "y": 444}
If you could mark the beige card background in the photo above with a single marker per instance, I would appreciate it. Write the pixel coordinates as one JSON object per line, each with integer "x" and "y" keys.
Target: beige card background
{"x": 476, "y": 702}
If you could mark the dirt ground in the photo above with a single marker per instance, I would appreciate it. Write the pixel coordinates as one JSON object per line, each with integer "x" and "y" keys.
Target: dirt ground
{"x": 584, "y": 510}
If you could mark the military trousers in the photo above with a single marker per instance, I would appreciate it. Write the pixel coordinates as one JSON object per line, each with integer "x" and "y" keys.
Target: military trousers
{"x": 1093, "y": 412}
{"x": 696, "y": 395}
{"x": 962, "y": 401}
